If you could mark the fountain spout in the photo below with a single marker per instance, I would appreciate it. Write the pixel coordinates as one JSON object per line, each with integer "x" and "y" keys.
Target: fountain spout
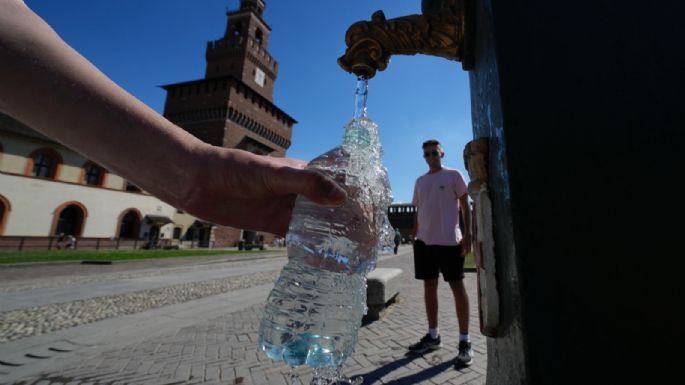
{"x": 445, "y": 28}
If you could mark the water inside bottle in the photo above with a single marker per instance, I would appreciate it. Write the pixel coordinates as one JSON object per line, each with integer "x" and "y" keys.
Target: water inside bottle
{"x": 309, "y": 314}
{"x": 314, "y": 311}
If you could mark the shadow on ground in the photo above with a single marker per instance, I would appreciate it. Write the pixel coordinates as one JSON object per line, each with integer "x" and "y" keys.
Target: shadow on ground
{"x": 375, "y": 375}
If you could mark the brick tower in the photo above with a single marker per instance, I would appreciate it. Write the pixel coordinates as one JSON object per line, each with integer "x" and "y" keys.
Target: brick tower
{"x": 233, "y": 105}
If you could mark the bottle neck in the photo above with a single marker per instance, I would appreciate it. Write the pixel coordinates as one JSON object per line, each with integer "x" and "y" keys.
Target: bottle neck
{"x": 361, "y": 132}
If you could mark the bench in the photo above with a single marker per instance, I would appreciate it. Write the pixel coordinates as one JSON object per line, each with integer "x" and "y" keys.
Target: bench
{"x": 382, "y": 286}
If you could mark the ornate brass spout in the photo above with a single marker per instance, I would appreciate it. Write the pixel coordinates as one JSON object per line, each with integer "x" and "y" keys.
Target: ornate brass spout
{"x": 445, "y": 29}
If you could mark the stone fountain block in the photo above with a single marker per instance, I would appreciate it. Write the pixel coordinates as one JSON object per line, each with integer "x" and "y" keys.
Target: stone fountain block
{"x": 383, "y": 285}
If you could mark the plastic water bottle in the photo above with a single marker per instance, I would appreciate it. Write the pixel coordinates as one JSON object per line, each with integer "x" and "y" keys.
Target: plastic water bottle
{"x": 314, "y": 311}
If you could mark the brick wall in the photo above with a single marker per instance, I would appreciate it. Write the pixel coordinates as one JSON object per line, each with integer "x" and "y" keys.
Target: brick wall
{"x": 226, "y": 236}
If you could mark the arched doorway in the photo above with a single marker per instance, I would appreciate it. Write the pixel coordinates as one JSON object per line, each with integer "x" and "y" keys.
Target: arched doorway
{"x": 129, "y": 227}
{"x": 4, "y": 212}
{"x": 200, "y": 233}
{"x": 69, "y": 219}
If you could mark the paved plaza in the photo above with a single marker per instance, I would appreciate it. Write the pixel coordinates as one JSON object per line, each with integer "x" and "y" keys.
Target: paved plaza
{"x": 195, "y": 321}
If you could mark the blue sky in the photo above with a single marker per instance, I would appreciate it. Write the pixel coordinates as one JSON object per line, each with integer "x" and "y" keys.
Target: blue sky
{"x": 142, "y": 44}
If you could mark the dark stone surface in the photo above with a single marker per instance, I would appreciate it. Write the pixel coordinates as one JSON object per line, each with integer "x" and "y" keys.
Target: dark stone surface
{"x": 583, "y": 105}
{"x": 506, "y": 358}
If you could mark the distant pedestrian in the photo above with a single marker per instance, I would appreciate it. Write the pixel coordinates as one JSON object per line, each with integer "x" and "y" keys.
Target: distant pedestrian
{"x": 440, "y": 246}
{"x": 61, "y": 238}
{"x": 70, "y": 241}
{"x": 398, "y": 239}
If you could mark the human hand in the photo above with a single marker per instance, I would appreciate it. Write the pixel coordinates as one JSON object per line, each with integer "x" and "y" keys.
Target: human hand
{"x": 243, "y": 190}
{"x": 465, "y": 245}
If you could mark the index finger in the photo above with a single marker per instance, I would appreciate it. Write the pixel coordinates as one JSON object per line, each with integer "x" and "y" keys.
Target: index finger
{"x": 313, "y": 185}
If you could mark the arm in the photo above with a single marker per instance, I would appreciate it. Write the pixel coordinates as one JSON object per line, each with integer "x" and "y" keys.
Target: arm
{"x": 415, "y": 202}
{"x": 465, "y": 209}
{"x": 50, "y": 87}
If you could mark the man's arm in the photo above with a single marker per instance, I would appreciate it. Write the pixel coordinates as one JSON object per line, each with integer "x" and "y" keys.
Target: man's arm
{"x": 50, "y": 87}
{"x": 415, "y": 202}
{"x": 466, "y": 215}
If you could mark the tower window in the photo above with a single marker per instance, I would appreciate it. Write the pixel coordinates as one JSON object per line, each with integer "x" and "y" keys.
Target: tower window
{"x": 259, "y": 36}
{"x": 237, "y": 29}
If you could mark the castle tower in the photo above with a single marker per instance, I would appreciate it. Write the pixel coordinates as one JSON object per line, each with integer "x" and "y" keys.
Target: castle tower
{"x": 243, "y": 51}
{"x": 232, "y": 106}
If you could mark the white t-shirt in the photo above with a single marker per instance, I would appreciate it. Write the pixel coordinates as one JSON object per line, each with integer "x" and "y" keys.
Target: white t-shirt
{"x": 436, "y": 197}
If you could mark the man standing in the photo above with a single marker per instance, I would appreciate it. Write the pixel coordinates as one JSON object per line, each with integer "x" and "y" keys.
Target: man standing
{"x": 440, "y": 246}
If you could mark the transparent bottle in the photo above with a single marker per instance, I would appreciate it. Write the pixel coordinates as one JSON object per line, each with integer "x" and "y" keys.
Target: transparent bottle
{"x": 314, "y": 311}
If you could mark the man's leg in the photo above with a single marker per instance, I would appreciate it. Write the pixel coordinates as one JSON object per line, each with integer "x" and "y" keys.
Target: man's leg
{"x": 430, "y": 341}
{"x": 452, "y": 266}
{"x": 426, "y": 269}
{"x": 430, "y": 298}
{"x": 461, "y": 301}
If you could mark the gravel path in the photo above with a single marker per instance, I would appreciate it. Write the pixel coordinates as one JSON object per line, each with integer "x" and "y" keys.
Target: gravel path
{"x": 38, "y": 320}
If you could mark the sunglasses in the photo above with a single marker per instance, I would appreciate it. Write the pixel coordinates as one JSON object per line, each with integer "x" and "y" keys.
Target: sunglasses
{"x": 427, "y": 154}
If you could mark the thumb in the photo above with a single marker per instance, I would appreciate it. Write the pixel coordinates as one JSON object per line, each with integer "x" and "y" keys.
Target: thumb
{"x": 313, "y": 185}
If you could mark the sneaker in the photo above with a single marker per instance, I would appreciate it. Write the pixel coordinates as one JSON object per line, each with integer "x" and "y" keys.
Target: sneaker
{"x": 465, "y": 356}
{"x": 427, "y": 343}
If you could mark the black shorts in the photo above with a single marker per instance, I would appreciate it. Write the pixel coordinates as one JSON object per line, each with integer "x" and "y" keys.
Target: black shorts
{"x": 430, "y": 260}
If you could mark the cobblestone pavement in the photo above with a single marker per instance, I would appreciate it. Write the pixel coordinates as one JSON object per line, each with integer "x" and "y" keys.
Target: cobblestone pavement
{"x": 223, "y": 349}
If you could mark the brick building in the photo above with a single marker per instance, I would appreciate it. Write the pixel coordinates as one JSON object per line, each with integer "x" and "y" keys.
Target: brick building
{"x": 232, "y": 106}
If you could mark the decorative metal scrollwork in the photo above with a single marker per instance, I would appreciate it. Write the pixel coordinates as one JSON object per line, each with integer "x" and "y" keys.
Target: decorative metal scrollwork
{"x": 444, "y": 29}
